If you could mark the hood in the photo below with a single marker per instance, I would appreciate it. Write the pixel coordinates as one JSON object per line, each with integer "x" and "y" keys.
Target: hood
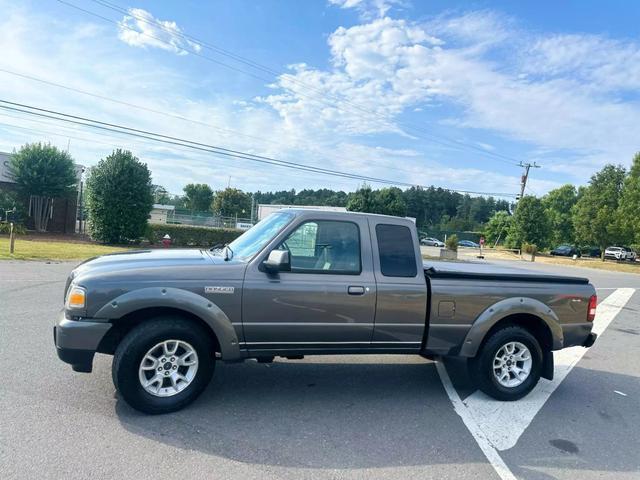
{"x": 153, "y": 265}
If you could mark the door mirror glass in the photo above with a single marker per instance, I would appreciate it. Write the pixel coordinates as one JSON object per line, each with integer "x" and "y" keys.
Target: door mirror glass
{"x": 278, "y": 261}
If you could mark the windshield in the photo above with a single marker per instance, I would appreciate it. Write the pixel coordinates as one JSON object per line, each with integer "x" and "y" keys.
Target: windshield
{"x": 250, "y": 242}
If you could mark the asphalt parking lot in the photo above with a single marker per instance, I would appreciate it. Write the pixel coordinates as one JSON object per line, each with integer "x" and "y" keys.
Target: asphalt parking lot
{"x": 322, "y": 417}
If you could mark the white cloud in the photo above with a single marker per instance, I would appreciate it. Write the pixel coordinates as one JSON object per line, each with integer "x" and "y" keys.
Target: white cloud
{"x": 464, "y": 65}
{"x": 141, "y": 29}
{"x": 369, "y": 8}
{"x": 378, "y": 72}
{"x": 607, "y": 64}
{"x": 475, "y": 29}
{"x": 563, "y": 95}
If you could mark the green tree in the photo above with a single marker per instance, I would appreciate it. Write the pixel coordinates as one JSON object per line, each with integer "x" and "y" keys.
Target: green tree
{"x": 119, "y": 198}
{"x": 198, "y": 197}
{"x": 594, "y": 214}
{"x": 497, "y": 228}
{"x": 160, "y": 195}
{"x": 389, "y": 201}
{"x": 558, "y": 204}
{"x": 231, "y": 202}
{"x": 362, "y": 200}
{"x": 530, "y": 223}
{"x": 11, "y": 208}
{"x": 386, "y": 201}
{"x": 628, "y": 213}
{"x": 42, "y": 173}
{"x": 177, "y": 201}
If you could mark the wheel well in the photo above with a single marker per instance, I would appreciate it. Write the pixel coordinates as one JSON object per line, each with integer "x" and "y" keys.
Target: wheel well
{"x": 534, "y": 325}
{"x": 122, "y": 326}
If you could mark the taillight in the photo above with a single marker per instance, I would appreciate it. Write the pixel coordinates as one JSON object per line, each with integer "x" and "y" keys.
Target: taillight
{"x": 591, "y": 312}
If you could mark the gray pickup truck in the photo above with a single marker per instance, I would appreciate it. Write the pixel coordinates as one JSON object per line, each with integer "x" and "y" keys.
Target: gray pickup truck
{"x": 305, "y": 282}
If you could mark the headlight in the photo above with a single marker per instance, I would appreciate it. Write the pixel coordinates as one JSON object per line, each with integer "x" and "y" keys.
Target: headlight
{"x": 76, "y": 298}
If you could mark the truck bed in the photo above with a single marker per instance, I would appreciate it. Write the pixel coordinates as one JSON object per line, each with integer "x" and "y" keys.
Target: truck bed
{"x": 482, "y": 271}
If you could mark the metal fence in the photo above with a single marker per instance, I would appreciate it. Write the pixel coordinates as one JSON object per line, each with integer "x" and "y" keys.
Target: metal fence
{"x": 203, "y": 220}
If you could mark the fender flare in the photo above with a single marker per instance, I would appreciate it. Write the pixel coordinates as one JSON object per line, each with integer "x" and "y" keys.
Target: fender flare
{"x": 179, "y": 299}
{"x": 506, "y": 308}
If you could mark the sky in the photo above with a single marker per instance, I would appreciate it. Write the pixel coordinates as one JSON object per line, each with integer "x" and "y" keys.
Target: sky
{"x": 444, "y": 93}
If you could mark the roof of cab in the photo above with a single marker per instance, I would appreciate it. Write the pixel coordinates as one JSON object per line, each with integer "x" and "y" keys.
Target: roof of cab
{"x": 311, "y": 212}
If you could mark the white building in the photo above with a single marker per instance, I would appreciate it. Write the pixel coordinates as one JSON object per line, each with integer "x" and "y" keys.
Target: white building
{"x": 161, "y": 213}
{"x": 265, "y": 209}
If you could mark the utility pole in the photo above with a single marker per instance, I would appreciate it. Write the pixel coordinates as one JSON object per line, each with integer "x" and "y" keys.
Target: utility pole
{"x": 525, "y": 176}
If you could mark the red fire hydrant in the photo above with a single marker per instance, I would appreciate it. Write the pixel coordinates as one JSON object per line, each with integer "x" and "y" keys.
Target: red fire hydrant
{"x": 166, "y": 241}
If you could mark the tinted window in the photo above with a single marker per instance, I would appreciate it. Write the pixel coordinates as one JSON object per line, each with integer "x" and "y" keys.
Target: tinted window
{"x": 324, "y": 246}
{"x": 396, "y": 249}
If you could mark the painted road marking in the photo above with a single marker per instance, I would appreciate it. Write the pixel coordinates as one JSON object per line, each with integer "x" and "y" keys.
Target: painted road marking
{"x": 498, "y": 425}
{"x": 483, "y": 442}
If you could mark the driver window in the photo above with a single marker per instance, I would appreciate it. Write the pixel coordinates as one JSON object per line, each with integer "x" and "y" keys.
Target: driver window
{"x": 324, "y": 246}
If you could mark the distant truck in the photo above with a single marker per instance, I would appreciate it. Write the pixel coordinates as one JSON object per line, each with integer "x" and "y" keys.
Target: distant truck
{"x": 304, "y": 282}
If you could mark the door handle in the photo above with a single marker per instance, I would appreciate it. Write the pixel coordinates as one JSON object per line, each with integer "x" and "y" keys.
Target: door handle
{"x": 353, "y": 290}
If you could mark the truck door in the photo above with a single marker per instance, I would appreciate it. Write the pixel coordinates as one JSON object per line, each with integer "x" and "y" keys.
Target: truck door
{"x": 401, "y": 310}
{"x": 328, "y": 298}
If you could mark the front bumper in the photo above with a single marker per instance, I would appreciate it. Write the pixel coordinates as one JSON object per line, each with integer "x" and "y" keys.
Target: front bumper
{"x": 76, "y": 341}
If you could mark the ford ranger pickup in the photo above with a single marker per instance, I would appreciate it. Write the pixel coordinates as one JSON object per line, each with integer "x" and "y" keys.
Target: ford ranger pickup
{"x": 306, "y": 282}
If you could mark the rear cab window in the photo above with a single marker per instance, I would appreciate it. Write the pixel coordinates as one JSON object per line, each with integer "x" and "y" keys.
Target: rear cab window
{"x": 396, "y": 251}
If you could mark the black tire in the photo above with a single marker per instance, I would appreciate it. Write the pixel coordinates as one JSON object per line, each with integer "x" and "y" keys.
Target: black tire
{"x": 481, "y": 367}
{"x": 139, "y": 341}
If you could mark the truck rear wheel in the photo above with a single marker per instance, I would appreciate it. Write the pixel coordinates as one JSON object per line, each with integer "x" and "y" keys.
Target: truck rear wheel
{"x": 509, "y": 365}
{"x": 163, "y": 364}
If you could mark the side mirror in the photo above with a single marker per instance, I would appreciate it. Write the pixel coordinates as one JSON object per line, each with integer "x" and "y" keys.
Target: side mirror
{"x": 278, "y": 261}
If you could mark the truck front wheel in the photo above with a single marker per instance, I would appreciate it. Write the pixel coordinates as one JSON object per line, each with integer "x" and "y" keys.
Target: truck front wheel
{"x": 509, "y": 365}
{"x": 163, "y": 364}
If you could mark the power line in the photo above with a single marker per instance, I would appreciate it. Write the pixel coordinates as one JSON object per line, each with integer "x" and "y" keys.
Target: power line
{"x": 322, "y": 95}
{"x": 176, "y": 141}
{"x": 170, "y": 115}
{"x": 64, "y": 134}
{"x": 132, "y": 105}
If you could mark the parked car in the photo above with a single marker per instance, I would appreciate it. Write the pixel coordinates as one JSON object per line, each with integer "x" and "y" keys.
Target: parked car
{"x": 630, "y": 254}
{"x": 311, "y": 282}
{"x": 468, "y": 243}
{"x": 593, "y": 252}
{"x": 615, "y": 253}
{"x": 565, "y": 251}
{"x": 431, "y": 242}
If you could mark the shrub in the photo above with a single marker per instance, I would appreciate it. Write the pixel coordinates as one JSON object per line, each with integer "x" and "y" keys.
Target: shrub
{"x": 452, "y": 242}
{"x": 119, "y": 198}
{"x": 18, "y": 229}
{"x": 529, "y": 248}
{"x": 188, "y": 236}
{"x": 10, "y": 201}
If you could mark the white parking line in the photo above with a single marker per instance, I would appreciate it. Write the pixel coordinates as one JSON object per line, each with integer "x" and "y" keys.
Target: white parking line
{"x": 498, "y": 425}
{"x": 483, "y": 442}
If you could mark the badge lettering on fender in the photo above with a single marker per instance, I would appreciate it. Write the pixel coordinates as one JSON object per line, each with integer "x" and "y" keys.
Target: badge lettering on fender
{"x": 219, "y": 289}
